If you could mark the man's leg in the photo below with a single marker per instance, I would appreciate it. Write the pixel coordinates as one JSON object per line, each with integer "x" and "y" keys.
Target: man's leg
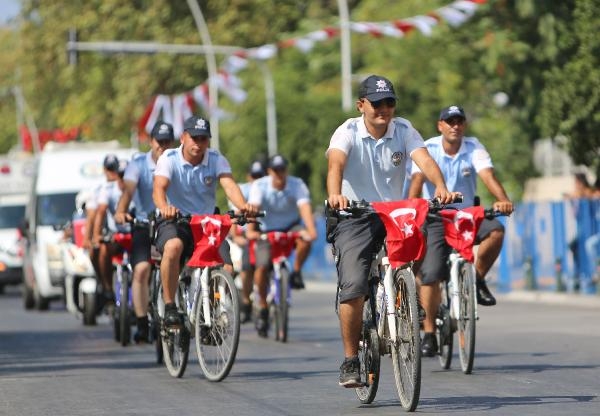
{"x": 488, "y": 252}
{"x": 169, "y": 270}
{"x": 302, "y": 252}
{"x": 140, "y": 294}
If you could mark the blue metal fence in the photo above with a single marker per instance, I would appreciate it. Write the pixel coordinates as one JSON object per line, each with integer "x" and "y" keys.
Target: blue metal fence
{"x": 536, "y": 254}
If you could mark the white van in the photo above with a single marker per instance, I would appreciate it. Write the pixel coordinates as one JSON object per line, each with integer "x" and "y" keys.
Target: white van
{"x": 61, "y": 171}
{"x": 16, "y": 174}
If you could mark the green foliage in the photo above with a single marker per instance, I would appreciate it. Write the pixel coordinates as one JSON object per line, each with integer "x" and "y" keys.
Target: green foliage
{"x": 542, "y": 54}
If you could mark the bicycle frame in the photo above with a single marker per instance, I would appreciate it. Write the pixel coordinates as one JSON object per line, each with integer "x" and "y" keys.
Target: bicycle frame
{"x": 456, "y": 261}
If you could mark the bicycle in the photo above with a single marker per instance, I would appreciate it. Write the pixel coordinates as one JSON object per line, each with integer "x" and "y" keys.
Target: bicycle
{"x": 391, "y": 315}
{"x": 458, "y": 309}
{"x": 207, "y": 300}
{"x": 279, "y": 295}
{"x": 122, "y": 277}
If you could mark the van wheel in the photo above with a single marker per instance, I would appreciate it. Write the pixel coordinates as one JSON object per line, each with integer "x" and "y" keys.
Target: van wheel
{"x": 41, "y": 303}
{"x": 28, "y": 300}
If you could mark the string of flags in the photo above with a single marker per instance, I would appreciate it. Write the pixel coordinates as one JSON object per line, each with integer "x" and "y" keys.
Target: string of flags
{"x": 176, "y": 108}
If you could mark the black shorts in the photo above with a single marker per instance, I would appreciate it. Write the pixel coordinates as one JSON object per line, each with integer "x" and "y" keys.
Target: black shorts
{"x": 169, "y": 229}
{"x": 435, "y": 264}
{"x": 355, "y": 243}
{"x": 140, "y": 245}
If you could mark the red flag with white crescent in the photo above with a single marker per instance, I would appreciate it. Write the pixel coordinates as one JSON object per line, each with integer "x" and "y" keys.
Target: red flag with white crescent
{"x": 403, "y": 220}
{"x": 209, "y": 231}
{"x": 461, "y": 227}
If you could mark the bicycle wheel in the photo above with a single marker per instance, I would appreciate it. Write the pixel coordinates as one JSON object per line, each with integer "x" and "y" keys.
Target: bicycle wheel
{"x": 175, "y": 345}
{"x": 466, "y": 318}
{"x": 124, "y": 316}
{"x": 444, "y": 330}
{"x": 217, "y": 342}
{"x": 406, "y": 348}
{"x": 369, "y": 356}
{"x": 153, "y": 318}
{"x": 281, "y": 309}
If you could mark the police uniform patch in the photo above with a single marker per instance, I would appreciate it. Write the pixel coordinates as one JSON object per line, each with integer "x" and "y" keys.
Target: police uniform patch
{"x": 208, "y": 180}
{"x": 466, "y": 172}
{"x": 397, "y": 158}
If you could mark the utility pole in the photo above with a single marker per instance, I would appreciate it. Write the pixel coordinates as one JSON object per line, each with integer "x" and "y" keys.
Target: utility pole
{"x": 345, "y": 55}
{"x": 211, "y": 64}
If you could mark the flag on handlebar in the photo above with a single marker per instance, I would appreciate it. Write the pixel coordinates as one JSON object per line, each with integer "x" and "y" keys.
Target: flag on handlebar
{"x": 403, "y": 220}
{"x": 209, "y": 231}
{"x": 460, "y": 229}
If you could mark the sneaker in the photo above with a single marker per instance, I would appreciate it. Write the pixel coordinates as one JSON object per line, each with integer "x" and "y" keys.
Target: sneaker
{"x": 484, "y": 296}
{"x": 141, "y": 336}
{"x": 172, "y": 318}
{"x": 262, "y": 323}
{"x": 245, "y": 312}
{"x": 296, "y": 280}
{"x": 350, "y": 373}
{"x": 429, "y": 345}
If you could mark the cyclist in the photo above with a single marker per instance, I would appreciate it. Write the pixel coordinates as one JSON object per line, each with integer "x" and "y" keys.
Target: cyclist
{"x": 138, "y": 180}
{"x": 185, "y": 182}
{"x": 461, "y": 159}
{"x": 367, "y": 158}
{"x": 104, "y": 223}
{"x": 256, "y": 170}
{"x": 286, "y": 202}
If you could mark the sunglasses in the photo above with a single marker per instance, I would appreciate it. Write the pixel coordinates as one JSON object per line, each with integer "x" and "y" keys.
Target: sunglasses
{"x": 388, "y": 102}
{"x": 459, "y": 121}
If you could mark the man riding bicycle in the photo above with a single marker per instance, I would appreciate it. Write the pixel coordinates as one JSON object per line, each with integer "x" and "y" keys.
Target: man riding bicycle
{"x": 185, "y": 182}
{"x": 104, "y": 222}
{"x": 367, "y": 158}
{"x": 286, "y": 202}
{"x": 138, "y": 182}
{"x": 461, "y": 159}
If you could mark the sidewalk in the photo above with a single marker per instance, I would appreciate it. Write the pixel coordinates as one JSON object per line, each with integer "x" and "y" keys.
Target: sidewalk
{"x": 572, "y": 299}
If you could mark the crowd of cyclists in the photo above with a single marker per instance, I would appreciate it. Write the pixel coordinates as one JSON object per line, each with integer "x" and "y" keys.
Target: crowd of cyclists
{"x": 370, "y": 158}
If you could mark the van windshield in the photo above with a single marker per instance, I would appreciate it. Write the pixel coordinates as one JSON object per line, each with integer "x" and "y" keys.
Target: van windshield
{"x": 11, "y": 216}
{"x": 55, "y": 209}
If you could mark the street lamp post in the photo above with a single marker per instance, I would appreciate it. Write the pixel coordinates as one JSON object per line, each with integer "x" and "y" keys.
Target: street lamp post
{"x": 345, "y": 52}
{"x": 211, "y": 64}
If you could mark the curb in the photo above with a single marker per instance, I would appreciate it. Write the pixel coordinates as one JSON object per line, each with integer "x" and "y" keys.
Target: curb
{"x": 571, "y": 299}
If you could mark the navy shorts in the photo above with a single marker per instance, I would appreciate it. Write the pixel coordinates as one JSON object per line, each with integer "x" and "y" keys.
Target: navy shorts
{"x": 355, "y": 243}
{"x": 140, "y": 245}
{"x": 435, "y": 263}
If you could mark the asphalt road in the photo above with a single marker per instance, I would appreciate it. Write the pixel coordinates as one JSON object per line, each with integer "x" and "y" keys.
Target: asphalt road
{"x": 536, "y": 355}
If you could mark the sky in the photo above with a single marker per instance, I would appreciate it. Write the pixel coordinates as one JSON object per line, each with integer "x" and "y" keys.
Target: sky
{"x": 8, "y": 9}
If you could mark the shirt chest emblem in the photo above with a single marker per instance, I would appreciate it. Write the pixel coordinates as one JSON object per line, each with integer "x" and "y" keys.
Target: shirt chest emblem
{"x": 397, "y": 158}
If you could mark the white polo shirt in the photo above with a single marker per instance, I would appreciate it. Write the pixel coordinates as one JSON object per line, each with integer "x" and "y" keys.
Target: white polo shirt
{"x": 191, "y": 188}
{"x": 141, "y": 171}
{"x": 281, "y": 207}
{"x": 375, "y": 169}
{"x": 460, "y": 171}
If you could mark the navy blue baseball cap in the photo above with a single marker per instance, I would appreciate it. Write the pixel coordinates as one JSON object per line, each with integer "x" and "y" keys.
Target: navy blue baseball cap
{"x": 257, "y": 169}
{"x": 162, "y": 131}
{"x": 197, "y": 126}
{"x": 278, "y": 162}
{"x": 452, "y": 111}
{"x": 375, "y": 88}
{"x": 111, "y": 162}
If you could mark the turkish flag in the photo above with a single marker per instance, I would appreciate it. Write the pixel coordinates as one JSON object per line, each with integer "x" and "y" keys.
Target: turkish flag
{"x": 403, "y": 220}
{"x": 461, "y": 227}
{"x": 282, "y": 243}
{"x": 209, "y": 231}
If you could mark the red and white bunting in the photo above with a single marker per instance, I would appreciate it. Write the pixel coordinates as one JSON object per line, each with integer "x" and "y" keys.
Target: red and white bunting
{"x": 177, "y": 108}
